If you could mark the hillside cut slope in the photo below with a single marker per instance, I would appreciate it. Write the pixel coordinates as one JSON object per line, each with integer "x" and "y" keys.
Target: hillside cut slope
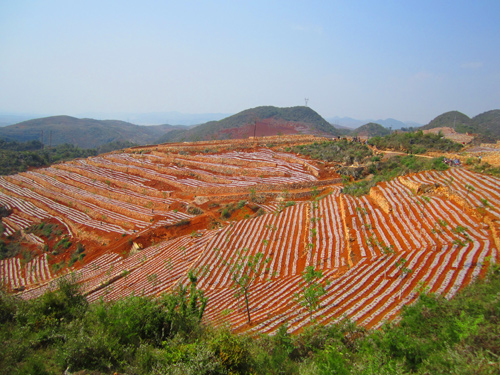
{"x": 259, "y": 121}
{"x": 84, "y": 133}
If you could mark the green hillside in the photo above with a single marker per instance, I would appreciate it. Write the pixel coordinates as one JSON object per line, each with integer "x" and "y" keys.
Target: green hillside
{"x": 83, "y": 133}
{"x": 371, "y": 130}
{"x": 453, "y": 119}
{"x": 486, "y": 125}
{"x": 300, "y": 117}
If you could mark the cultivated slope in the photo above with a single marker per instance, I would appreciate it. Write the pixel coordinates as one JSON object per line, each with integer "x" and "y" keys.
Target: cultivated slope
{"x": 144, "y": 195}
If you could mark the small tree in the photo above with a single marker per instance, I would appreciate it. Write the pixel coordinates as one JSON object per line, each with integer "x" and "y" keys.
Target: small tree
{"x": 197, "y": 300}
{"x": 469, "y": 189}
{"x": 483, "y": 208}
{"x": 311, "y": 290}
{"x": 386, "y": 250}
{"x": 422, "y": 202}
{"x": 244, "y": 270}
{"x": 403, "y": 272}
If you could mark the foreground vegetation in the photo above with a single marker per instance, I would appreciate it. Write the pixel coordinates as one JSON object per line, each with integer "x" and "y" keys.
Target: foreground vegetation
{"x": 139, "y": 335}
{"x": 18, "y": 157}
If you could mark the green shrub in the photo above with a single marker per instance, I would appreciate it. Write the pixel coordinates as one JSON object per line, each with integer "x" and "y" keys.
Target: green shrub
{"x": 225, "y": 213}
{"x": 182, "y": 222}
{"x": 63, "y": 244}
{"x": 8, "y": 307}
{"x": 232, "y": 351}
{"x": 193, "y": 210}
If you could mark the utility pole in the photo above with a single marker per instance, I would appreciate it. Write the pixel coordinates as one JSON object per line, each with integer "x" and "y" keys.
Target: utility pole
{"x": 50, "y": 139}
{"x": 255, "y": 126}
{"x": 306, "y": 100}
{"x": 41, "y": 138}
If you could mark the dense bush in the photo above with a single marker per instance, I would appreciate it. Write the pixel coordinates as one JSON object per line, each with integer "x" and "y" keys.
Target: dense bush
{"x": 341, "y": 151}
{"x": 415, "y": 142}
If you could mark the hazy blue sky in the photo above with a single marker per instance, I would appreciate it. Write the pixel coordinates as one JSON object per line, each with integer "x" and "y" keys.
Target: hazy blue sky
{"x": 411, "y": 60}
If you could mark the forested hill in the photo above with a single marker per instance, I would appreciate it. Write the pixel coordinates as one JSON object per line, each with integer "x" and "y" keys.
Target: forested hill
{"x": 486, "y": 125}
{"x": 83, "y": 133}
{"x": 370, "y": 130}
{"x": 259, "y": 121}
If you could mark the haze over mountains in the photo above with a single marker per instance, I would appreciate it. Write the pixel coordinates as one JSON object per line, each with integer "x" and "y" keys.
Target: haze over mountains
{"x": 259, "y": 121}
{"x": 84, "y": 133}
{"x": 352, "y": 123}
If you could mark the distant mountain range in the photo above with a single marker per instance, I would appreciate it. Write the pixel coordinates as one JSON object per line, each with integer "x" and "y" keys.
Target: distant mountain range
{"x": 153, "y": 118}
{"x": 84, "y": 133}
{"x": 160, "y": 118}
{"x": 354, "y": 123}
{"x": 259, "y": 121}
{"x": 7, "y": 119}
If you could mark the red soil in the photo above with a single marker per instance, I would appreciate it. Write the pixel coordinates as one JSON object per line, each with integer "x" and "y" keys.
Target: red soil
{"x": 343, "y": 236}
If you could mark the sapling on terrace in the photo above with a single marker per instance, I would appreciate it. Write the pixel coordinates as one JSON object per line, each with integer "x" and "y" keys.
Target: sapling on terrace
{"x": 483, "y": 208}
{"x": 403, "y": 272}
{"x": 422, "y": 202}
{"x": 459, "y": 230}
{"x": 245, "y": 269}
{"x": 469, "y": 189}
{"x": 387, "y": 250}
{"x": 311, "y": 290}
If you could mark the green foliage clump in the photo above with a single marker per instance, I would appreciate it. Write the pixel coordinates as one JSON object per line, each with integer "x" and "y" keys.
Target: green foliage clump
{"x": 45, "y": 229}
{"x": 4, "y": 211}
{"x": 193, "y": 210}
{"x": 228, "y": 209}
{"x": 415, "y": 142}
{"x": 76, "y": 255}
{"x": 182, "y": 222}
{"x": 341, "y": 151}
{"x": 12, "y": 248}
{"x": 392, "y": 168}
{"x": 63, "y": 244}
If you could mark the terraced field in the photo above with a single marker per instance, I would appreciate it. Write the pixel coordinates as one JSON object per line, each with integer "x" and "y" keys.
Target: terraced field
{"x": 435, "y": 223}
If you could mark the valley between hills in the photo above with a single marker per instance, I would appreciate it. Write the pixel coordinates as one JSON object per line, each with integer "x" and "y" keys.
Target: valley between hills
{"x": 138, "y": 220}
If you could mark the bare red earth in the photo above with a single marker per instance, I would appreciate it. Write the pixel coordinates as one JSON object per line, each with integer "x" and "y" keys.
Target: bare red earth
{"x": 148, "y": 215}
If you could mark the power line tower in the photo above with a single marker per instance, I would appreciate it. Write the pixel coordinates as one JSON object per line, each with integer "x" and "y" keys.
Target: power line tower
{"x": 306, "y": 100}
